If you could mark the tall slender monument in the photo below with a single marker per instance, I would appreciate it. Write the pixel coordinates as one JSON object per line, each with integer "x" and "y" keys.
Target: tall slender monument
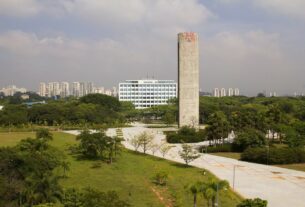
{"x": 188, "y": 78}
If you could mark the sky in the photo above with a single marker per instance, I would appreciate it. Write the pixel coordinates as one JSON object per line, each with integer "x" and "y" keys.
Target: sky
{"x": 254, "y": 45}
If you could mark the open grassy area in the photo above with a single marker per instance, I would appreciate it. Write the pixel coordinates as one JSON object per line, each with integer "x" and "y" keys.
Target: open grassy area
{"x": 300, "y": 167}
{"x": 131, "y": 176}
{"x": 233, "y": 155}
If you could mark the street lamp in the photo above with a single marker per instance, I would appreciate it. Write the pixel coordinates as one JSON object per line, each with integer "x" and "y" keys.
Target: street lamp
{"x": 234, "y": 167}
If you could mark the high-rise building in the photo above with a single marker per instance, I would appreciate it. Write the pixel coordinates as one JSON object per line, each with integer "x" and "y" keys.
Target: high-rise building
{"x": 64, "y": 89}
{"x": 43, "y": 89}
{"x": 147, "y": 93}
{"x": 188, "y": 78}
{"x": 230, "y": 92}
{"x": 11, "y": 90}
{"x": 236, "y": 92}
{"x": 53, "y": 89}
{"x": 75, "y": 89}
{"x": 223, "y": 92}
{"x": 216, "y": 92}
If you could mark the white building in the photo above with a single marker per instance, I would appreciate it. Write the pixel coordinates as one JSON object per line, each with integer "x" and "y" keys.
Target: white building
{"x": 147, "y": 93}
{"x": 43, "y": 89}
{"x": 11, "y": 90}
{"x": 236, "y": 92}
{"x": 230, "y": 92}
{"x": 216, "y": 92}
{"x": 64, "y": 89}
{"x": 223, "y": 92}
{"x": 75, "y": 88}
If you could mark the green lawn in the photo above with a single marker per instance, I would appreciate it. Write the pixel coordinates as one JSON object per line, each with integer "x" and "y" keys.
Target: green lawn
{"x": 300, "y": 167}
{"x": 131, "y": 176}
{"x": 233, "y": 155}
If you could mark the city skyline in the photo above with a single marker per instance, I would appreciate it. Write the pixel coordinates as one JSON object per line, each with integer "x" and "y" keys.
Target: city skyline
{"x": 253, "y": 45}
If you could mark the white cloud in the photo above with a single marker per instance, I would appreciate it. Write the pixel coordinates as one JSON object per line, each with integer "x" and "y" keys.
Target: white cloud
{"x": 291, "y": 8}
{"x": 294, "y": 8}
{"x": 19, "y": 8}
{"x": 253, "y": 60}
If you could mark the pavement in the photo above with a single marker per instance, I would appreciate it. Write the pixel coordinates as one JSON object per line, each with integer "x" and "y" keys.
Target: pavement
{"x": 280, "y": 187}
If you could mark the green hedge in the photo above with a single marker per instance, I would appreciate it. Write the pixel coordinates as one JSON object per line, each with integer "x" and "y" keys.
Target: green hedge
{"x": 185, "y": 135}
{"x": 217, "y": 148}
{"x": 275, "y": 156}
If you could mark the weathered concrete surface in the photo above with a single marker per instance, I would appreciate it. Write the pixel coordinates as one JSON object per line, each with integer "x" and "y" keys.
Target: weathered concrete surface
{"x": 188, "y": 78}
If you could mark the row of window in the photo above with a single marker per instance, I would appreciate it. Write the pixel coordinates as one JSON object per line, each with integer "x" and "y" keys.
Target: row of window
{"x": 148, "y": 89}
{"x": 148, "y": 85}
{"x": 152, "y": 102}
{"x": 147, "y": 94}
{"x": 136, "y": 98}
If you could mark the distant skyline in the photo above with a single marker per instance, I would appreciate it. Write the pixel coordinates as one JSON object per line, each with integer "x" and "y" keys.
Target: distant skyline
{"x": 254, "y": 45}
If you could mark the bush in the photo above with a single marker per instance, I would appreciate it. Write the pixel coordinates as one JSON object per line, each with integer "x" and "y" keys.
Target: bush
{"x": 257, "y": 202}
{"x": 276, "y": 156}
{"x": 217, "y": 148}
{"x": 249, "y": 138}
{"x": 160, "y": 178}
{"x": 185, "y": 135}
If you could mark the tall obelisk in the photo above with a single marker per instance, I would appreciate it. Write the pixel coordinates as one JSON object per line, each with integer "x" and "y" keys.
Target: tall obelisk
{"x": 188, "y": 78}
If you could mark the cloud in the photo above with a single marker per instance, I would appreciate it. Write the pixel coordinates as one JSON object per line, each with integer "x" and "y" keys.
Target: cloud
{"x": 291, "y": 8}
{"x": 114, "y": 11}
{"x": 19, "y": 8}
{"x": 253, "y": 61}
{"x": 105, "y": 61}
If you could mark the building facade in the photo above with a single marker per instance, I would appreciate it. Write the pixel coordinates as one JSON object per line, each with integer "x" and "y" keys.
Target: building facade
{"x": 11, "y": 90}
{"x": 147, "y": 93}
{"x": 223, "y": 92}
{"x": 188, "y": 78}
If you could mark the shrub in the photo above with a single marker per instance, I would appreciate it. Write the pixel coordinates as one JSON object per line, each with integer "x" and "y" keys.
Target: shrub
{"x": 249, "y": 138}
{"x": 257, "y": 202}
{"x": 275, "y": 156}
{"x": 160, "y": 178}
{"x": 216, "y": 148}
{"x": 185, "y": 135}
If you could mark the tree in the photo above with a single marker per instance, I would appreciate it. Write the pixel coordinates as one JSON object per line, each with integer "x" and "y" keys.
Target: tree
{"x": 169, "y": 118}
{"x": 218, "y": 127}
{"x": 249, "y": 138}
{"x": 194, "y": 190}
{"x": 164, "y": 149}
{"x": 211, "y": 189}
{"x": 92, "y": 145}
{"x": 102, "y": 100}
{"x": 44, "y": 134}
{"x": 145, "y": 140}
{"x": 154, "y": 148}
{"x": 257, "y": 202}
{"x": 188, "y": 154}
{"x": 135, "y": 143}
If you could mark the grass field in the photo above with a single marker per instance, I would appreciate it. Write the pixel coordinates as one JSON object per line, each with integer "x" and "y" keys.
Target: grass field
{"x": 131, "y": 176}
{"x": 300, "y": 167}
{"x": 233, "y": 155}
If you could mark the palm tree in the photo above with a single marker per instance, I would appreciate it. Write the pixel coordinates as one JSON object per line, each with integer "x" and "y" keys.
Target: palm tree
{"x": 210, "y": 190}
{"x": 194, "y": 189}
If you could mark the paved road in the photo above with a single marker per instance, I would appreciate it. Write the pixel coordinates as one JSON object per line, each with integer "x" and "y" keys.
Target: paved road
{"x": 281, "y": 187}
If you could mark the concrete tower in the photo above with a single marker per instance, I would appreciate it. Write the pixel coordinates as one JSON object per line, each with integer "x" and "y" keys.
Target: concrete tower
{"x": 188, "y": 78}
